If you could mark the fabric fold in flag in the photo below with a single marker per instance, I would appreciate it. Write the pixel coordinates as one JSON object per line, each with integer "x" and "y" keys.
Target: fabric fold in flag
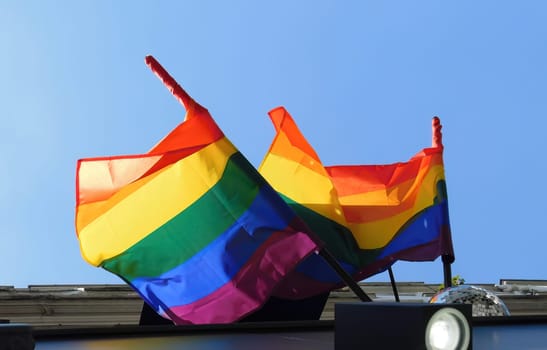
{"x": 191, "y": 225}
{"x": 399, "y": 208}
{"x": 368, "y": 216}
{"x": 293, "y": 168}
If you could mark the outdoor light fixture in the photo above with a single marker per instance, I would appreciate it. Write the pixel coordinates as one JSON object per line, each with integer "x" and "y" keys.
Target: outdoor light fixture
{"x": 402, "y": 326}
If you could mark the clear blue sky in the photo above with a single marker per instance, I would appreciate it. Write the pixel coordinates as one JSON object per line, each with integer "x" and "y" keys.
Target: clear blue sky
{"x": 361, "y": 78}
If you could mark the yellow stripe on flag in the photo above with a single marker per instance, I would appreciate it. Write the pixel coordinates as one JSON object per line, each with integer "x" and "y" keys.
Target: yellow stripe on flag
{"x": 377, "y": 233}
{"x": 303, "y": 185}
{"x": 147, "y": 206}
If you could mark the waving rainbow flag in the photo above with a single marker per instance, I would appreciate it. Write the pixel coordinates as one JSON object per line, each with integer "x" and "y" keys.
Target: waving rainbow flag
{"x": 191, "y": 225}
{"x": 368, "y": 216}
{"x": 401, "y": 208}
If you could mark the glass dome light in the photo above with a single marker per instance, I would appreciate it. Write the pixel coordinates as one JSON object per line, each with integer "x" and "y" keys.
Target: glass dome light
{"x": 447, "y": 329}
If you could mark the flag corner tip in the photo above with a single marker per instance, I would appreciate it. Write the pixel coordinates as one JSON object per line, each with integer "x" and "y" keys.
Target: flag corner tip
{"x": 148, "y": 59}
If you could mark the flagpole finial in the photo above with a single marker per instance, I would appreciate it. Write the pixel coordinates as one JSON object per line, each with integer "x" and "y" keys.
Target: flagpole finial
{"x": 437, "y": 139}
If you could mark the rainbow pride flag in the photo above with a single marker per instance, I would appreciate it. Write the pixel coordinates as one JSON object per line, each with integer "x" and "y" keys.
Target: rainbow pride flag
{"x": 190, "y": 225}
{"x": 368, "y": 216}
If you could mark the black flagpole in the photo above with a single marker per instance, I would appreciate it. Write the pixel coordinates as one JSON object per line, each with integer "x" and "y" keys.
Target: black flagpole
{"x": 344, "y": 275}
{"x": 447, "y": 269}
{"x": 393, "y": 285}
